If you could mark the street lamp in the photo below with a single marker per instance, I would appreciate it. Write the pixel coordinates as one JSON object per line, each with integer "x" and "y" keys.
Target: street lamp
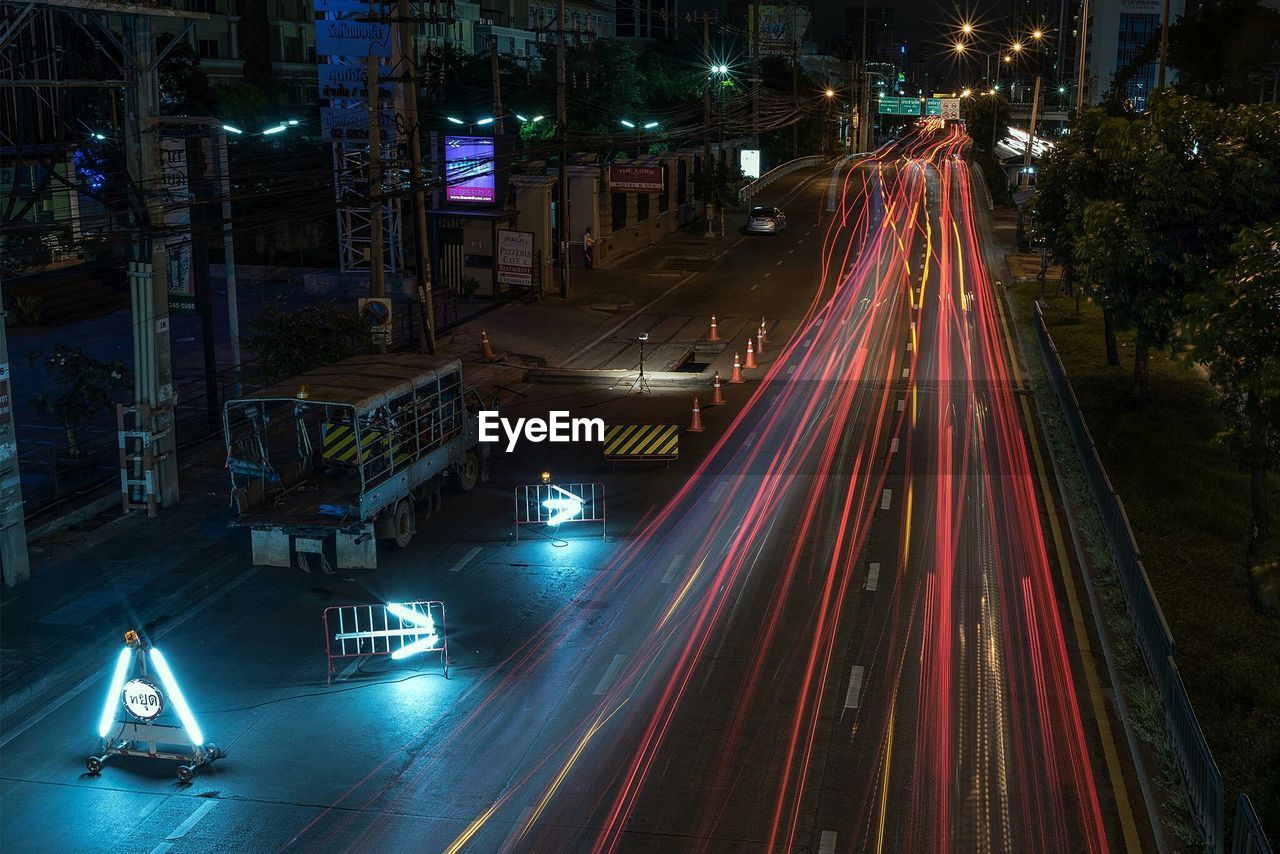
{"x": 640, "y": 128}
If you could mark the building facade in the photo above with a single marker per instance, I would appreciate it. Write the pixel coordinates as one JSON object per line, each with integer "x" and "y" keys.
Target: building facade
{"x": 1119, "y": 31}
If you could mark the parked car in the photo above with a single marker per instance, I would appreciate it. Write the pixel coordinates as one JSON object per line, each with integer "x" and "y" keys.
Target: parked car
{"x": 766, "y": 219}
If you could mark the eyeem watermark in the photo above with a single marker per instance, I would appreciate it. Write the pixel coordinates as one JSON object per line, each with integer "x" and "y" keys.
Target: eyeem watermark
{"x": 559, "y": 427}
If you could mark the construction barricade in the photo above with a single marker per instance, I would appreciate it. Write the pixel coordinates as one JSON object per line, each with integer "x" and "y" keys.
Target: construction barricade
{"x": 397, "y": 629}
{"x": 554, "y": 504}
{"x": 642, "y": 442}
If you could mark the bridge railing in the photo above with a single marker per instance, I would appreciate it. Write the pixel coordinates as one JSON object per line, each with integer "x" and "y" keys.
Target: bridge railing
{"x": 1191, "y": 752}
{"x": 782, "y": 169}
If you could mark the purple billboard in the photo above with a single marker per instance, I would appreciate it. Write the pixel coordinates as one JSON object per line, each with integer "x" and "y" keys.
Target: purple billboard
{"x": 468, "y": 169}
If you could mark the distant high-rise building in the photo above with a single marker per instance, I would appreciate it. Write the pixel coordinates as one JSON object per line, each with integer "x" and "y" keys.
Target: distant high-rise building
{"x": 1119, "y": 31}
{"x": 882, "y": 45}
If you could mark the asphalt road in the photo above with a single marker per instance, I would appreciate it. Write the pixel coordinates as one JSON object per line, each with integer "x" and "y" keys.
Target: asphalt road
{"x": 842, "y": 629}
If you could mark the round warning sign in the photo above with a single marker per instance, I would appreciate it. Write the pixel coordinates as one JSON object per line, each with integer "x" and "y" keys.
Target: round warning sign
{"x": 143, "y": 699}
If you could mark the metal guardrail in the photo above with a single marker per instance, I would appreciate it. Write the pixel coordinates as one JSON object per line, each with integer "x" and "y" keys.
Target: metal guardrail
{"x": 1246, "y": 831}
{"x": 1191, "y": 752}
{"x": 782, "y": 169}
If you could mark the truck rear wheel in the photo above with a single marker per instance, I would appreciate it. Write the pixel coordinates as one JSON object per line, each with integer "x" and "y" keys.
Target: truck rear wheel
{"x": 403, "y": 522}
{"x": 468, "y": 471}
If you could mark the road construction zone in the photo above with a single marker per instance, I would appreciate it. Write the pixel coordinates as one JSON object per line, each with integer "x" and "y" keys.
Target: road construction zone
{"x": 559, "y": 426}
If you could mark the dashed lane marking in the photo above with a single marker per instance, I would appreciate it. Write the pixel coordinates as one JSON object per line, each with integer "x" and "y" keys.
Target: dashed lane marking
{"x": 885, "y": 499}
{"x": 671, "y": 570}
{"x": 827, "y": 842}
{"x": 609, "y": 674}
{"x": 719, "y": 490}
{"x": 855, "y": 687}
{"x": 906, "y": 372}
{"x": 901, "y": 403}
{"x": 873, "y": 577}
{"x": 893, "y": 445}
{"x": 184, "y": 828}
{"x": 466, "y": 559}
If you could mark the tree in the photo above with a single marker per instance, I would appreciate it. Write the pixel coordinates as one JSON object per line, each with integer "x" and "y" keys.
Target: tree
{"x": 289, "y": 343}
{"x": 980, "y": 111}
{"x": 1236, "y": 330}
{"x": 184, "y": 88}
{"x": 82, "y": 387}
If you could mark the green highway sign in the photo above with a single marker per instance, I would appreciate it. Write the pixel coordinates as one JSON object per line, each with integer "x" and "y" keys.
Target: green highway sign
{"x": 933, "y": 107}
{"x": 899, "y": 106}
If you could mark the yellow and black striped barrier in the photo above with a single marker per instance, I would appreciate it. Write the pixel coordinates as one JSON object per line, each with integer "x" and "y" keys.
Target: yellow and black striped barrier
{"x": 642, "y": 442}
{"x": 340, "y": 444}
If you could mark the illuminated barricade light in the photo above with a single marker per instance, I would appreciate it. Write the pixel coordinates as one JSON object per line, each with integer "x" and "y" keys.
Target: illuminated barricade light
{"x": 563, "y": 507}
{"x": 113, "y": 693}
{"x": 397, "y": 630}
{"x": 175, "y": 695}
{"x": 420, "y": 624}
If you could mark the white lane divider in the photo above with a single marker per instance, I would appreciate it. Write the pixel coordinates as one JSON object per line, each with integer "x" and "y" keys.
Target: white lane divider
{"x": 768, "y": 274}
{"x": 777, "y": 264}
{"x": 719, "y": 490}
{"x": 791, "y": 369}
{"x": 609, "y": 674}
{"x": 827, "y": 842}
{"x": 756, "y": 285}
{"x": 893, "y": 445}
{"x": 885, "y": 499}
{"x": 466, "y": 559}
{"x": 873, "y": 577}
{"x": 808, "y": 341}
{"x": 855, "y": 687}
{"x": 184, "y": 828}
{"x": 750, "y": 438}
{"x": 791, "y": 251}
{"x": 902, "y": 401}
{"x": 906, "y": 372}
{"x": 671, "y": 570}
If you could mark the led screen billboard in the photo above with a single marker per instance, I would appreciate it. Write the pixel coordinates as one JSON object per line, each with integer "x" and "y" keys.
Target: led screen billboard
{"x": 468, "y": 169}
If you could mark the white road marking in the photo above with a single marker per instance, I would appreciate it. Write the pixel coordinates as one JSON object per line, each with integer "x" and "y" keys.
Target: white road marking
{"x": 350, "y": 669}
{"x": 778, "y": 264}
{"x": 671, "y": 570}
{"x": 182, "y": 829}
{"x": 181, "y": 619}
{"x": 906, "y": 372}
{"x": 791, "y": 369}
{"x": 753, "y": 287}
{"x": 908, "y": 346}
{"x": 791, "y": 251}
{"x": 893, "y": 445}
{"x": 901, "y": 403}
{"x": 885, "y": 499}
{"x": 466, "y": 559}
{"x": 873, "y": 577}
{"x": 827, "y": 843}
{"x": 768, "y": 274}
{"x": 750, "y": 438}
{"x": 855, "y": 688}
{"x": 808, "y": 341}
{"x": 719, "y": 490}
{"x": 609, "y": 674}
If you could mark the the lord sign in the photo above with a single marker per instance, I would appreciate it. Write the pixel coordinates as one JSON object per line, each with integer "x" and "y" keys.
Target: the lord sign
{"x": 635, "y": 179}
{"x": 515, "y": 257}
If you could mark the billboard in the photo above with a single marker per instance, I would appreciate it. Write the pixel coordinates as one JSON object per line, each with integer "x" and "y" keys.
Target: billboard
{"x": 352, "y": 38}
{"x": 351, "y": 124}
{"x": 177, "y": 220}
{"x": 782, "y": 28}
{"x": 635, "y": 179}
{"x": 515, "y": 257}
{"x": 468, "y": 169}
{"x": 749, "y": 161}
{"x": 351, "y": 82}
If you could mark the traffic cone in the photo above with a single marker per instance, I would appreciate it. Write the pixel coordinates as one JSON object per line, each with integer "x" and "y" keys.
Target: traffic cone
{"x": 486, "y": 351}
{"x": 717, "y": 396}
{"x": 715, "y": 333}
{"x": 736, "y": 379}
{"x": 751, "y": 356}
{"x": 760, "y": 341}
{"x": 696, "y": 425}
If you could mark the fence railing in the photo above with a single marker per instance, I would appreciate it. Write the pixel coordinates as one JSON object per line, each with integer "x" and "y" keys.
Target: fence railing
{"x": 1246, "y": 831}
{"x": 746, "y": 193}
{"x": 1191, "y": 752}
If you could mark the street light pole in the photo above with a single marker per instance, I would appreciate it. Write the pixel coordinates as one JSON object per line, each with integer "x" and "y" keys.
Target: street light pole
{"x": 562, "y": 213}
{"x": 1081, "y": 48}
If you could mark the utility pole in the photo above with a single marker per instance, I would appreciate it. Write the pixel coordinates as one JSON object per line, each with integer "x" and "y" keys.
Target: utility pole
{"x": 864, "y": 129}
{"x": 1081, "y": 47}
{"x": 1164, "y": 44}
{"x": 497, "y": 88}
{"x": 198, "y": 182}
{"x": 755, "y": 76}
{"x": 855, "y": 96}
{"x": 706, "y": 92}
{"x": 148, "y": 272}
{"x": 795, "y": 101}
{"x": 562, "y": 128}
{"x": 14, "y": 562}
{"x": 421, "y": 242}
{"x": 222, "y": 163}
{"x": 378, "y": 287}
{"x": 1031, "y": 135}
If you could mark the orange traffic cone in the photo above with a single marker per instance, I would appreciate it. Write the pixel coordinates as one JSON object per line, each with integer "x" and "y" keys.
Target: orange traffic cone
{"x": 751, "y": 356}
{"x": 736, "y": 379}
{"x": 760, "y": 341}
{"x": 696, "y": 425}
{"x": 715, "y": 333}
{"x": 486, "y": 351}
{"x": 717, "y": 396}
